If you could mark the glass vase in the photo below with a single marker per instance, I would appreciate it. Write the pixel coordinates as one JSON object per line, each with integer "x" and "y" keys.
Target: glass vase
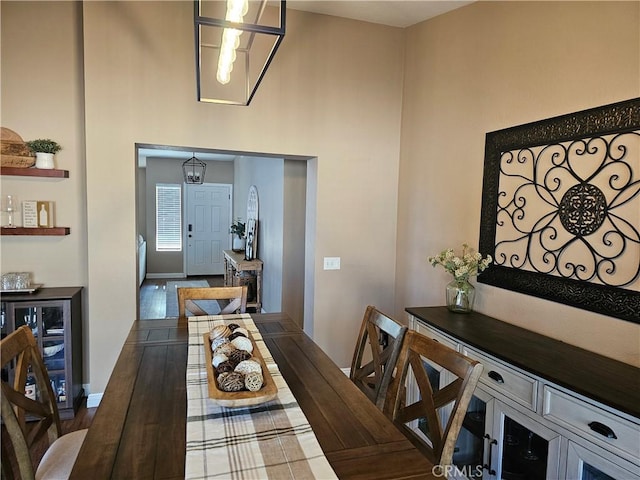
{"x": 238, "y": 243}
{"x": 460, "y": 296}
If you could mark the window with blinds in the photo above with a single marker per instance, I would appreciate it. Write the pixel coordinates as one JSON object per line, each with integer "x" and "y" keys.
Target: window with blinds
{"x": 168, "y": 218}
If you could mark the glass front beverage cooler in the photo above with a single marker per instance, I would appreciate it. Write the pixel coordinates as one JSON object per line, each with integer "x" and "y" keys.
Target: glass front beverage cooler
{"x": 46, "y": 322}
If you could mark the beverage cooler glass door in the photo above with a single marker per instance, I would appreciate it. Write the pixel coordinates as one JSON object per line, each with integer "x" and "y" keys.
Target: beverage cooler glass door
{"x": 4, "y": 330}
{"x": 46, "y": 321}
{"x": 27, "y": 315}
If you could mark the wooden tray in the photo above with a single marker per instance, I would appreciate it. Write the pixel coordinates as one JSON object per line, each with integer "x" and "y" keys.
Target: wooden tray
{"x": 243, "y": 398}
{"x": 31, "y": 289}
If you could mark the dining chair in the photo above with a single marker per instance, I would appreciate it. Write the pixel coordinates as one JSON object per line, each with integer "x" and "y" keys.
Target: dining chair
{"x": 29, "y": 420}
{"x": 236, "y": 296}
{"x": 422, "y": 355}
{"x": 376, "y": 353}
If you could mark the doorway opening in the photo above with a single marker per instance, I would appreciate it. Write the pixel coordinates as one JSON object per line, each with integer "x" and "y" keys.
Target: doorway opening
{"x": 286, "y": 186}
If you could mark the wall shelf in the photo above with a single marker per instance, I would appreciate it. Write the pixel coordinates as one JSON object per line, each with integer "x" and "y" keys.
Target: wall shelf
{"x": 34, "y": 172}
{"x": 50, "y": 231}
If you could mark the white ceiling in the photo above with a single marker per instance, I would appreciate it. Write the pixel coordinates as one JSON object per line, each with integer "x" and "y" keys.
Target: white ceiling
{"x": 396, "y": 13}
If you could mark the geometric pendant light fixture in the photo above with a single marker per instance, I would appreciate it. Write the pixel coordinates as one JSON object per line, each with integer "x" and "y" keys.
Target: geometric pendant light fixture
{"x": 193, "y": 171}
{"x": 235, "y": 42}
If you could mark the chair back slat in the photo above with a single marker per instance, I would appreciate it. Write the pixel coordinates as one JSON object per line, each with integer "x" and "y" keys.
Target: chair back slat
{"x": 190, "y": 300}
{"x": 376, "y": 353}
{"x": 20, "y": 351}
{"x": 418, "y": 351}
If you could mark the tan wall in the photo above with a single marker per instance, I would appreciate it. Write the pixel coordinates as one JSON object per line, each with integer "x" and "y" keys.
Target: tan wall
{"x": 334, "y": 91}
{"x": 41, "y": 99}
{"x": 485, "y": 67}
{"x": 41, "y": 92}
{"x": 295, "y": 183}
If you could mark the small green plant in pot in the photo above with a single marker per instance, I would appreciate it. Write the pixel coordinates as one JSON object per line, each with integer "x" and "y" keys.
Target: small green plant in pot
{"x": 44, "y": 149}
{"x": 237, "y": 230}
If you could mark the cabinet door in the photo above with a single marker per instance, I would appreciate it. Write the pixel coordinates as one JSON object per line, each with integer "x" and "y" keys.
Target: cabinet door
{"x": 4, "y": 327}
{"x": 597, "y": 464}
{"x": 472, "y": 456}
{"x": 525, "y": 449}
{"x": 4, "y": 331}
{"x": 47, "y": 321}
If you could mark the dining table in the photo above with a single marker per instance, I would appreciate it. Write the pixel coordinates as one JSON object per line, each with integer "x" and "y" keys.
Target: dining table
{"x": 139, "y": 430}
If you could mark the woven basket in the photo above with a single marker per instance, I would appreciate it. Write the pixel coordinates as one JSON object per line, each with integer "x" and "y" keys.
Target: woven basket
{"x": 13, "y": 151}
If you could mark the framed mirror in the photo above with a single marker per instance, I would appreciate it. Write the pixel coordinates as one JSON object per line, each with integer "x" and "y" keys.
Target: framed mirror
{"x": 251, "y": 247}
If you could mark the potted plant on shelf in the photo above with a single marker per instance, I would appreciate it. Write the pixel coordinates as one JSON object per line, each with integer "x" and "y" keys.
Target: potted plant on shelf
{"x": 237, "y": 230}
{"x": 44, "y": 149}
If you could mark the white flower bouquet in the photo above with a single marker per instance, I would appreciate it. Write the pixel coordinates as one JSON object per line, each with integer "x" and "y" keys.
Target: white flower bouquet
{"x": 462, "y": 267}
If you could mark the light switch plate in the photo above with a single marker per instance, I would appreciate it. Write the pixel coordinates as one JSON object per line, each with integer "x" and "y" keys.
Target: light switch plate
{"x": 332, "y": 263}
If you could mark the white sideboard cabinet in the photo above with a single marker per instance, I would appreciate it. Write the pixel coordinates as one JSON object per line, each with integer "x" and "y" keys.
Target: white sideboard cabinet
{"x": 542, "y": 409}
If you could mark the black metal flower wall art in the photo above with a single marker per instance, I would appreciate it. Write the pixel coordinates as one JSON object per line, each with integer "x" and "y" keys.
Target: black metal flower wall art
{"x": 561, "y": 209}
{"x": 571, "y": 209}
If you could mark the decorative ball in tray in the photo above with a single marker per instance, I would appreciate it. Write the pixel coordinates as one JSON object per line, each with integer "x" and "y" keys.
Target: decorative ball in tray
{"x": 236, "y": 372}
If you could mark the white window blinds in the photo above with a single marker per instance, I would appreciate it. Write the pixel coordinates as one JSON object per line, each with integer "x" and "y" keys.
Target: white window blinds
{"x": 168, "y": 217}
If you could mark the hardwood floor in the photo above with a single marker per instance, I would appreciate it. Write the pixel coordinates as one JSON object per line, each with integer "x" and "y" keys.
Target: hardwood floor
{"x": 153, "y": 294}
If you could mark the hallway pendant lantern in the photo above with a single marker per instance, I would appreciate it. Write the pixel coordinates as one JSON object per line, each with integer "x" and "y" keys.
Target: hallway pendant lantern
{"x": 236, "y": 41}
{"x": 193, "y": 171}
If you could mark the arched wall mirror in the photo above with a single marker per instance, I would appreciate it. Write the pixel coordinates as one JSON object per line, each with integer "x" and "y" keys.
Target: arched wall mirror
{"x": 251, "y": 251}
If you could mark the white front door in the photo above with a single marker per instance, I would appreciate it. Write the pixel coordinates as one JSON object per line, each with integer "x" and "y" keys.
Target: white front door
{"x": 208, "y": 217}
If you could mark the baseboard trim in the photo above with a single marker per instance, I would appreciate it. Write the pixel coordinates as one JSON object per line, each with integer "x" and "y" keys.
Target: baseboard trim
{"x": 346, "y": 371}
{"x": 165, "y": 275}
{"x": 94, "y": 399}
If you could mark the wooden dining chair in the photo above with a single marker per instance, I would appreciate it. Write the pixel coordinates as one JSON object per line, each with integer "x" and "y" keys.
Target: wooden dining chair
{"x": 418, "y": 351}
{"x": 28, "y": 421}
{"x": 376, "y": 353}
{"x": 236, "y": 297}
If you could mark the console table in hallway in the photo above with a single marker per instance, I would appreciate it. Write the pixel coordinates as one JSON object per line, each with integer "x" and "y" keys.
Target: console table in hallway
{"x": 234, "y": 264}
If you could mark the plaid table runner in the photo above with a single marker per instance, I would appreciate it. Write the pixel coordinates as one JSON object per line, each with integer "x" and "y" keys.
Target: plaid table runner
{"x": 272, "y": 440}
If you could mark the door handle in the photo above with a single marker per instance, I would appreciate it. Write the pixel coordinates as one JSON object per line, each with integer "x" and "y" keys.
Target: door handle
{"x": 487, "y": 466}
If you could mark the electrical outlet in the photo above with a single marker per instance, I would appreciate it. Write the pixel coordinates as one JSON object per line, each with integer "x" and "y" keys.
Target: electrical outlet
{"x": 332, "y": 263}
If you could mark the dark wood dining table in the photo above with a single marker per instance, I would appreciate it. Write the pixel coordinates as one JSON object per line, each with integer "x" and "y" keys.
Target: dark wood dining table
{"x": 139, "y": 429}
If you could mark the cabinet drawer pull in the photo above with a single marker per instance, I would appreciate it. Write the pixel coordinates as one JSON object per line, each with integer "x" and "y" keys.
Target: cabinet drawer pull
{"x": 493, "y": 375}
{"x": 602, "y": 429}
